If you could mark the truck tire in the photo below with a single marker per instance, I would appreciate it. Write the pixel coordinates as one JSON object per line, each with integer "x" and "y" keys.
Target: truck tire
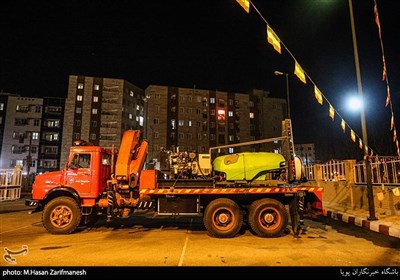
{"x": 223, "y": 218}
{"x": 61, "y": 215}
{"x": 268, "y": 217}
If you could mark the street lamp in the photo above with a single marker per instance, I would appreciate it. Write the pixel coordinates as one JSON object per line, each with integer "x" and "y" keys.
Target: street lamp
{"x": 279, "y": 73}
{"x": 370, "y": 192}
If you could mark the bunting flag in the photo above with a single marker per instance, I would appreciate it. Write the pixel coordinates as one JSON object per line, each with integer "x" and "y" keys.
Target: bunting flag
{"x": 360, "y": 143}
{"x": 392, "y": 122}
{"x": 353, "y": 135}
{"x": 318, "y": 95}
{"x": 273, "y": 39}
{"x": 398, "y": 149}
{"x": 245, "y": 5}
{"x": 331, "y": 112}
{"x": 388, "y": 95}
{"x": 384, "y": 74}
{"x": 343, "y": 124}
{"x": 299, "y": 72}
{"x": 376, "y": 14}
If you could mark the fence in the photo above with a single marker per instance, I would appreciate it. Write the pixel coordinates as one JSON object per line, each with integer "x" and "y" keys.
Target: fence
{"x": 333, "y": 170}
{"x": 10, "y": 184}
{"x": 384, "y": 170}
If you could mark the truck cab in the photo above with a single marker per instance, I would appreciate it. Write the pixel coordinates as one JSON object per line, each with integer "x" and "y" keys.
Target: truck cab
{"x": 64, "y": 195}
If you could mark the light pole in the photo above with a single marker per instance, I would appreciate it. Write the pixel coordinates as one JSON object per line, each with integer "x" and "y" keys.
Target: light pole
{"x": 370, "y": 191}
{"x": 279, "y": 73}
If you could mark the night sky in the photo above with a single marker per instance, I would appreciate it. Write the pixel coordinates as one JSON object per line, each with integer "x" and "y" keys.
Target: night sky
{"x": 215, "y": 45}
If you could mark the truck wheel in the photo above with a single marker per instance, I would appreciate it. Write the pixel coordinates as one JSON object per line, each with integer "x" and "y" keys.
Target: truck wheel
{"x": 268, "y": 217}
{"x": 61, "y": 215}
{"x": 223, "y": 218}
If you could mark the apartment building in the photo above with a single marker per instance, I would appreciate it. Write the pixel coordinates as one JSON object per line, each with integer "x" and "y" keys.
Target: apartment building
{"x": 20, "y": 131}
{"x": 306, "y": 152}
{"x": 99, "y": 110}
{"x": 51, "y": 134}
{"x": 190, "y": 119}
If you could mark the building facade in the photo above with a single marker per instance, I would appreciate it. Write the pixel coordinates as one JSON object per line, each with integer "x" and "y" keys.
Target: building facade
{"x": 51, "y": 134}
{"x": 20, "y": 131}
{"x": 99, "y": 110}
{"x": 306, "y": 152}
{"x": 189, "y": 119}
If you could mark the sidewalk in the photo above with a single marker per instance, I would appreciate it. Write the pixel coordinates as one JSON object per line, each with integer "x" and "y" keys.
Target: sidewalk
{"x": 385, "y": 224}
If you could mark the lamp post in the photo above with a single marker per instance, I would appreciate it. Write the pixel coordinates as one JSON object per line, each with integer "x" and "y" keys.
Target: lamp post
{"x": 370, "y": 192}
{"x": 279, "y": 73}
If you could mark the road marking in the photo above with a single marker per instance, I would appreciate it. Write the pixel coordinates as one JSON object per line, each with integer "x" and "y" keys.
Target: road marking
{"x": 185, "y": 244}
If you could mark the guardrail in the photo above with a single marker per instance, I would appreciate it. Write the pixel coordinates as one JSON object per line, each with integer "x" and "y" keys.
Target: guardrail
{"x": 10, "y": 184}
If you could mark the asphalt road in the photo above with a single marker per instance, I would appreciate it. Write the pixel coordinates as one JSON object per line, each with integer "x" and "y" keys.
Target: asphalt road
{"x": 150, "y": 242}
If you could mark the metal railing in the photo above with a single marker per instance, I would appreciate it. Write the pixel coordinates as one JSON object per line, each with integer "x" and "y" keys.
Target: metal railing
{"x": 333, "y": 170}
{"x": 10, "y": 184}
{"x": 384, "y": 170}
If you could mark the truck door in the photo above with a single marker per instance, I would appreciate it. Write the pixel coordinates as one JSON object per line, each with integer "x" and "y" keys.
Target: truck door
{"x": 79, "y": 172}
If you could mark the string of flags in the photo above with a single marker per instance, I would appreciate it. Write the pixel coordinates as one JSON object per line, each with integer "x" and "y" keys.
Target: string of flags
{"x": 277, "y": 44}
{"x": 386, "y": 79}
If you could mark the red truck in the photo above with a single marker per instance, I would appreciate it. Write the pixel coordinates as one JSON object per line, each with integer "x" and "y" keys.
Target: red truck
{"x": 227, "y": 192}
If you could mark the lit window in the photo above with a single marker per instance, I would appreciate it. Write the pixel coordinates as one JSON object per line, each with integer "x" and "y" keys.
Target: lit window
{"x": 80, "y": 86}
{"x": 1, "y": 106}
{"x": 221, "y": 115}
{"x": 78, "y": 110}
{"x": 251, "y": 115}
{"x": 94, "y": 111}
{"x": 130, "y": 116}
{"x": 141, "y": 121}
{"x": 181, "y": 122}
{"x": 95, "y": 99}
{"x": 131, "y": 93}
{"x": 212, "y": 100}
{"x": 231, "y": 150}
{"x": 230, "y": 114}
{"x": 96, "y": 87}
{"x": 79, "y": 98}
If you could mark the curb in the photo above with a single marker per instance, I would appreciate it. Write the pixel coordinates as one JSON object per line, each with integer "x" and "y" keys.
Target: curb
{"x": 364, "y": 223}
